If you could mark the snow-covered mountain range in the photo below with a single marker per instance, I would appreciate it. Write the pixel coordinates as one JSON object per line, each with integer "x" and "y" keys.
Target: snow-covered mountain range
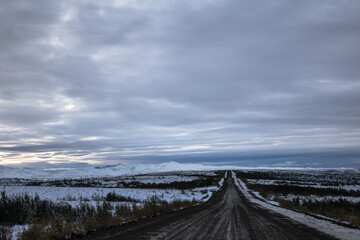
{"x": 100, "y": 171}
{"x": 88, "y": 171}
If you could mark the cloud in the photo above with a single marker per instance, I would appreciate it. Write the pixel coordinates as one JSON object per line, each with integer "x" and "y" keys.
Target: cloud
{"x": 89, "y": 81}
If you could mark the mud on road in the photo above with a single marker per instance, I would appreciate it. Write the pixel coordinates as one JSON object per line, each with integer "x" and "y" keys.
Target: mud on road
{"x": 227, "y": 215}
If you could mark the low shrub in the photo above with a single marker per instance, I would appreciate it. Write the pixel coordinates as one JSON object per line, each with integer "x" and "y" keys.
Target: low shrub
{"x": 113, "y": 197}
{"x": 205, "y": 181}
{"x": 85, "y": 218}
{"x": 5, "y": 233}
{"x": 298, "y": 190}
{"x": 341, "y": 210}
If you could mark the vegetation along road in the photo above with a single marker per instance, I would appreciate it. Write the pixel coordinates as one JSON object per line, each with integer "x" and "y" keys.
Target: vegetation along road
{"x": 227, "y": 215}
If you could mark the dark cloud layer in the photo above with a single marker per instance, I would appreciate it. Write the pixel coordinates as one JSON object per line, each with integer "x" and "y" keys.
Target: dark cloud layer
{"x": 103, "y": 82}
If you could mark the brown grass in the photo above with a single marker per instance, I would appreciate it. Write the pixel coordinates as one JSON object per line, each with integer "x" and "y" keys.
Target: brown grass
{"x": 102, "y": 218}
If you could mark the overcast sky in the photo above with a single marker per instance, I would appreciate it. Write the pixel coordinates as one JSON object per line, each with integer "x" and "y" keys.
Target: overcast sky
{"x": 104, "y": 82}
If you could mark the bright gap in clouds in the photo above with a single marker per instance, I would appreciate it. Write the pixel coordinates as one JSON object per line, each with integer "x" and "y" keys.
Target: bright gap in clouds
{"x": 260, "y": 83}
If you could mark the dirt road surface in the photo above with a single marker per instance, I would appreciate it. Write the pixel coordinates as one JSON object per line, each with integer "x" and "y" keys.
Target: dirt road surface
{"x": 227, "y": 215}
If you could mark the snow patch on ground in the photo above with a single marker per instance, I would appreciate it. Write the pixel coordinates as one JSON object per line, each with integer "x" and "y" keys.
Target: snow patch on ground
{"x": 321, "y": 225}
{"x": 257, "y": 194}
{"x": 16, "y": 230}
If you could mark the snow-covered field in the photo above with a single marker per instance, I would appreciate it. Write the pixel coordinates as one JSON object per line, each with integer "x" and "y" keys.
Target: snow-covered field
{"x": 145, "y": 185}
{"x": 303, "y": 184}
{"x": 333, "y": 185}
{"x": 161, "y": 179}
{"x": 314, "y": 198}
{"x": 126, "y": 181}
{"x": 76, "y": 195}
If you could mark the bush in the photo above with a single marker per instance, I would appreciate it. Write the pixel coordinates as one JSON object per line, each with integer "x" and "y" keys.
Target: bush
{"x": 85, "y": 218}
{"x": 113, "y": 197}
{"x": 5, "y": 233}
{"x": 205, "y": 181}
{"x": 22, "y": 209}
{"x": 341, "y": 210}
{"x": 298, "y": 190}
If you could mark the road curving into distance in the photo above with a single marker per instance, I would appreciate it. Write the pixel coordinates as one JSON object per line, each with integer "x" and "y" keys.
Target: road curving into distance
{"x": 227, "y": 215}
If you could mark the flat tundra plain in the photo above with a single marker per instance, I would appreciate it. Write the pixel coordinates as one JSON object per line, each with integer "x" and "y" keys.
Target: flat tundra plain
{"x": 227, "y": 215}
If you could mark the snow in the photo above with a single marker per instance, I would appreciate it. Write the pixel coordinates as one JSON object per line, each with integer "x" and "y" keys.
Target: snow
{"x": 76, "y": 195}
{"x": 221, "y": 182}
{"x": 302, "y": 184}
{"x": 321, "y": 225}
{"x": 257, "y": 194}
{"x": 314, "y": 198}
{"x": 239, "y": 183}
{"x": 102, "y": 171}
{"x": 160, "y": 179}
{"x": 129, "y": 169}
{"x": 16, "y": 230}
{"x": 93, "y": 196}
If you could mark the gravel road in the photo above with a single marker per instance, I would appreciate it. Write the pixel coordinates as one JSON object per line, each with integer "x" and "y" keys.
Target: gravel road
{"x": 227, "y": 215}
